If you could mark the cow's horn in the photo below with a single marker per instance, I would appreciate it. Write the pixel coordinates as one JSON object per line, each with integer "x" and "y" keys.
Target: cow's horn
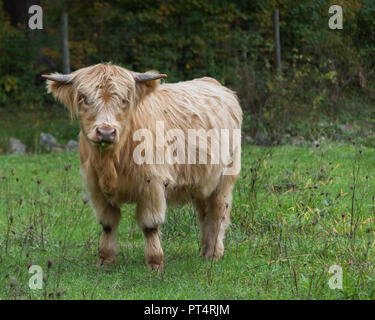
{"x": 58, "y": 77}
{"x": 142, "y": 77}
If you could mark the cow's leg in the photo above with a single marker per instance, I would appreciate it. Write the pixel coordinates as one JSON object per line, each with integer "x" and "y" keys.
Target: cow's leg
{"x": 109, "y": 217}
{"x": 214, "y": 217}
{"x": 150, "y": 215}
{"x": 153, "y": 251}
{"x": 201, "y": 207}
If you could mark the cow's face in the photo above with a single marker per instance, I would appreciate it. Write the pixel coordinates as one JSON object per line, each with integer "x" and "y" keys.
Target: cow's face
{"x": 101, "y": 96}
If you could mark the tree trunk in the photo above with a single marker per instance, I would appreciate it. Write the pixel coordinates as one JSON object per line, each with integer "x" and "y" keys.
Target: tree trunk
{"x": 276, "y": 29}
{"x": 65, "y": 44}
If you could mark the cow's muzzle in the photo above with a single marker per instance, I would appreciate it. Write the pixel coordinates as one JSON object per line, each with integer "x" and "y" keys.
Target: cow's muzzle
{"x": 106, "y": 134}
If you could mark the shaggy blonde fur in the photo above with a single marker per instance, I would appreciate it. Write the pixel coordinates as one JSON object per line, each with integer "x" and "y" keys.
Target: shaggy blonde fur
{"x": 106, "y": 95}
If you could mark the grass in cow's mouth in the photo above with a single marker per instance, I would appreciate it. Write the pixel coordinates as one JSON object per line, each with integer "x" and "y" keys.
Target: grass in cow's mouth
{"x": 102, "y": 146}
{"x": 297, "y": 211}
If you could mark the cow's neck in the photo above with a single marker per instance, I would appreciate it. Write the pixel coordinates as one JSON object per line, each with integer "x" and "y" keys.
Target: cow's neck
{"x": 105, "y": 164}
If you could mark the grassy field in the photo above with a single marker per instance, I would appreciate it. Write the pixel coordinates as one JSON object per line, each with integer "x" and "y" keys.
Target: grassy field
{"x": 297, "y": 211}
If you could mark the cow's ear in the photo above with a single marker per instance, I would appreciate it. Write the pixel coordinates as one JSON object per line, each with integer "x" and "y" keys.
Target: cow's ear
{"x": 61, "y": 87}
{"x": 148, "y": 81}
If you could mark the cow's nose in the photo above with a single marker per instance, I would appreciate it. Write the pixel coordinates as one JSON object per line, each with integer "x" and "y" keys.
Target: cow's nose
{"x": 106, "y": 134}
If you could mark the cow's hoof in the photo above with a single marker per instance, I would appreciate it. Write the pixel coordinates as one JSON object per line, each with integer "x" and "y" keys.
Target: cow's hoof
{"x": 155, "y": 261}
{"x": 210, "y": 254}
{"x": 106, "y": 262}
{"x": 155, "y": 267}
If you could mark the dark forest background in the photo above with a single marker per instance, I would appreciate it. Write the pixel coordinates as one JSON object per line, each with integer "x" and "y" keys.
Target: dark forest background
{"x": 325, "y": 87}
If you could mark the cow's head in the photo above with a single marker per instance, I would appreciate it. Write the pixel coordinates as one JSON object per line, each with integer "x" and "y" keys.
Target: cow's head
{"x": 101, "y": 96}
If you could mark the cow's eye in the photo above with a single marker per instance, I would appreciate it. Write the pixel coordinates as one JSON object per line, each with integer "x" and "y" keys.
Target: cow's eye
{"x": 82, "y": 99}
{"x": 124, "y": 102}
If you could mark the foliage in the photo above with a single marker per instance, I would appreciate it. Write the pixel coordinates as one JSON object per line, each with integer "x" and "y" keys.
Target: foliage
{"x": 231, "y": 41}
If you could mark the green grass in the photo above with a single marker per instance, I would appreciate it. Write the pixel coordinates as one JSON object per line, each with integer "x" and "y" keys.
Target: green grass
{"x": 292, "y": 219}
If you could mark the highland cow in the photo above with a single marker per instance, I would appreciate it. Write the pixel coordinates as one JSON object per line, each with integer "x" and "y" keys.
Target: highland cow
{"x": 115, "y": 108}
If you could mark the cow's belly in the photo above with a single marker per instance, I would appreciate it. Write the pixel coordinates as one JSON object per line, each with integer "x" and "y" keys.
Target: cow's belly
{"x": 175, "y": 193}
{"x": 183, "y": 194}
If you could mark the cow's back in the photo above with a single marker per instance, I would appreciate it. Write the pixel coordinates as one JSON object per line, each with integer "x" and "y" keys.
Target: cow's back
{"x": 205, "y": 99}
{"x": 200, "y": 104}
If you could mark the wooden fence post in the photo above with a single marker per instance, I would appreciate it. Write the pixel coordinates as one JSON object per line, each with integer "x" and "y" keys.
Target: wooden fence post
{"x": 65, "y": 43}
{"x": 276, "y": 29}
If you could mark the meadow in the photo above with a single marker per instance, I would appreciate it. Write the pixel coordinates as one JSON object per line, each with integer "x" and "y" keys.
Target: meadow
{"x": 305, "y": 200}
{"x": 297, "y": 211}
